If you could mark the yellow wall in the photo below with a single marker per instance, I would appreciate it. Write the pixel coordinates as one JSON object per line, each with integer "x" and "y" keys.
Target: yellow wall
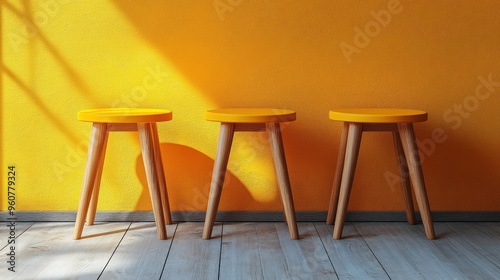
{"x": 59, "y": 57}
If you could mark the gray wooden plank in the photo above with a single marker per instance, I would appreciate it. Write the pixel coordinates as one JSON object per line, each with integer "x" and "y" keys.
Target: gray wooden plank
{"x": 47, "y": 251}
{"x": 482, "y": 236}
{"x": 494, "y": 225}
{"x": 20, "y": 228}
{"x": 468, "y": 260}
{"x": 404, "y": 256}
{"x": 405, "y": 252}
{"x": 490, "y": 228}
{"x": 190, "y": 256}
{"x": 240, "y": 252}
{"x": 305, "y": 258}
{"x": 141, "y": 255}
{"x": 351, "y": 256}
{"x": 265, "y": 251}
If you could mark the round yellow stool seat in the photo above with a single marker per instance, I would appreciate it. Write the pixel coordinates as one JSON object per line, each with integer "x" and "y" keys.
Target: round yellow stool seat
{"x": 125, "y": 115}
{"x": 250, "y": 115}
{"x": 378, "y": 115}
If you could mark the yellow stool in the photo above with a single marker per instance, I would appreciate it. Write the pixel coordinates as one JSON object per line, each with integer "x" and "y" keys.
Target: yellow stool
{"x": 400, "y": 122}
{"x": 250, "y": 119}
{"x": 127, "y": 119}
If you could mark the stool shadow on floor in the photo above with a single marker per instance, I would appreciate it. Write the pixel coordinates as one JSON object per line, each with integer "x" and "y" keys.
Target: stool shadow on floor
{"x": 188, "y": 174}
{"x": 125, "y": 229}
{"x": 97, "y": 224}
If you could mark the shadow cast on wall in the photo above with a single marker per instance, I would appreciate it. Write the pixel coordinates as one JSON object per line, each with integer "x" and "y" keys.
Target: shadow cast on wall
{"x": 269, "y": 58}
{"x": 275, "y": 58}
{"x": 249, "y": 60}
{"x": 191, "y": 170}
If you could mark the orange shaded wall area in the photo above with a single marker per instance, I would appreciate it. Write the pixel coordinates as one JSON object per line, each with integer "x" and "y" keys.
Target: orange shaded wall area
{"x": 59, "y": 57}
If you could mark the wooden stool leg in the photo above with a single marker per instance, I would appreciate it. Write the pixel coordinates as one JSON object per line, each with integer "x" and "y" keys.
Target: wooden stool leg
{"x": 352, "y": 151}
{"x": 96, "y": 146}
{"x": 416, "y": 175}
{"x": 334, "y": 197}
{"x": 218, "y": 175}
{"x": 405, "y": 179}
{"x": 97, "y": 185}
{"x": 148, "y": 155}
{"x": 282, "y": 175}
{"x": 161, "y": 176}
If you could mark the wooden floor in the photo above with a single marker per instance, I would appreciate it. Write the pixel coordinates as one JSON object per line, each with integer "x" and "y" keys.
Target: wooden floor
{"x": 253, "y": 251}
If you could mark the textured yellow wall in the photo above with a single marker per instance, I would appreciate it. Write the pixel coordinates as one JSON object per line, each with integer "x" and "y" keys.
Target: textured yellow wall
{"x": 59, "y": 57}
